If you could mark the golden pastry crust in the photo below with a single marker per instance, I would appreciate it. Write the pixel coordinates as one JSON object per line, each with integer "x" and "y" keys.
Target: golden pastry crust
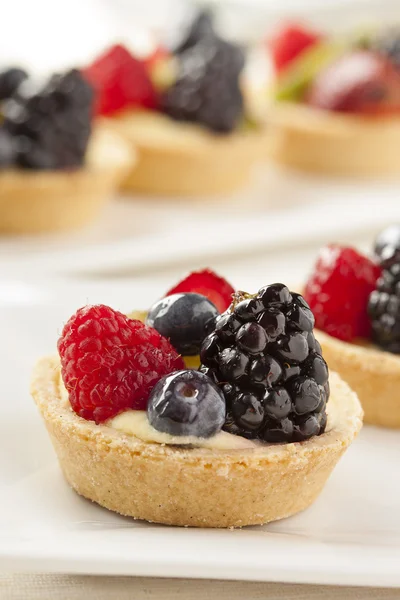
{"x": 40, "y": 201}
{"x": 192, "y": 487}
{"x": 334, "y": 144}
{"x": 185, "y": 159}
{"x": 373, "y": 374}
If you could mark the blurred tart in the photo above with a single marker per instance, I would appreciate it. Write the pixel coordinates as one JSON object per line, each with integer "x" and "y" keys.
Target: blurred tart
{"x": 336, "y": 104}
{"x": 250, "y": 437}
{"x": 356, "y": 303}
{"x": 184, "y": 110}
{"x": 54, "y": 174}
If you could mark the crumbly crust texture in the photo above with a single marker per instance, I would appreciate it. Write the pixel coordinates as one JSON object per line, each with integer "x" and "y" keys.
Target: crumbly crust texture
{"x": 192, "y": 486}
{"x": 185, "y": 159}
{"x": 373, "y": 374}
{"x": 40, "y": 201}
{"x": 332, "y": 143}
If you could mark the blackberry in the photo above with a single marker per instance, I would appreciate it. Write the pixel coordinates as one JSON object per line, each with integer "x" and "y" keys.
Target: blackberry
{"x": 387, "y": 246}
{"x": 384, "y": 309}
{"x": 207, "y": 88}
{"x": 263, "y": 355}
{"x": 199, "y": 28}
{"x": 10, "y": 80}
{"x": 52, "y": 126}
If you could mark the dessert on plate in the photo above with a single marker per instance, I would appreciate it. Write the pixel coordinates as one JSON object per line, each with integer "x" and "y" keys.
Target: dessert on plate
{"x": 55, "y": 173}
{"x": 249, "y": 437}
{"x": 336, "y": 102}
{"x": 186, "y": 111}
{"x": 356, "y": 304}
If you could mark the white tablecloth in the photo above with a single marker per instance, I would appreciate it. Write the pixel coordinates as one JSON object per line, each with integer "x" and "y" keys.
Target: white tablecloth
{"x": 68, "y": 587}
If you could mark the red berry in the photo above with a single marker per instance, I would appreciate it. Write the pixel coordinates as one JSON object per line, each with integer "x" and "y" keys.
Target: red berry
{"x": 110, "y": 363}
{"x": 338, "y": 292}
{"x": 289, "y": 42}
{"x": 359, "y": 82}
{"x": 209, "y": 284}
{"x": 120, "y": 81}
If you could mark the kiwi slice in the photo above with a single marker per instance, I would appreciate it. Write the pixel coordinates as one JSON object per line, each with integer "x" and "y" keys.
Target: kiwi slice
{"x": 292, "y": 84}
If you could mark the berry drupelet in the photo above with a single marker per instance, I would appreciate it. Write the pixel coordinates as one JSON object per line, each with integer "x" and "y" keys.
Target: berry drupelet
{"x": 51, "y": 127}
{"x": 265, "y": 358}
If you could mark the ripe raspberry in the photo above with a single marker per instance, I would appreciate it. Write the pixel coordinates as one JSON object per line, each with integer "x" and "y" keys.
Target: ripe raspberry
{"x": 338, "y": 291}
{"x": 120, "y": 81}
{"x": 288, "y": 43}
{"x": 209, "y": 284}
{"x": 110, "y": 363}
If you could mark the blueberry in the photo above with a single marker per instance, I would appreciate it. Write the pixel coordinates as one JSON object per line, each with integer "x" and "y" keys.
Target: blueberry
{"x": 187, "y": 403}
{"x": 184, "y": 319}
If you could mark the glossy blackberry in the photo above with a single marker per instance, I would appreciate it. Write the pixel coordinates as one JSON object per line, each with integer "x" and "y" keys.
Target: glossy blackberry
{"x": 207, "y": 89}
{"x": 52, "y": 126}
{"x": 384, "y": 310}
{"x": 387, "y": 246}
{"x": 10, "y": 80}
{"x": 263, "y": 355}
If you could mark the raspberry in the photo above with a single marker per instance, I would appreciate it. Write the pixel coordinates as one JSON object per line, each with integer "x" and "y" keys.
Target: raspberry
{"x": 290, "y": 42}
{"x": 121, "y": 81}
{"x": 110, "y": 363}
{"x": 263, "y": 355}
{"x": 338, "y": 292}
{"x": 208, "y": 284}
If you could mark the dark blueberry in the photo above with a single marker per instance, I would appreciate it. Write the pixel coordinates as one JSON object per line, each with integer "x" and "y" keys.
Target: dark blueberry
{"x": 277, "y": 403}
{"x": 248, "y": 412}
{"x": 305, "y": 394}
{"x": 226, "y": 327}
{"x": 276, "y": 295}
{"x": 187, "y": 403}
{"x": 292, "y": 348}
{"x": 316, "y": 367}
{"x": 10, "y": 80}
{"x": 233, "y": 363}
{"x": 278, "y": 432}
{"x": 306, "y": 427}
{"x": 252, "y": 338}
{"x": 183, "y": 319}
{"x": 265, "y": 370}
{"x": 246, "y": 310}
{"x": 300, "y": 315}
{"x": 273, "y": 321}
{"x": 210, "y": 349}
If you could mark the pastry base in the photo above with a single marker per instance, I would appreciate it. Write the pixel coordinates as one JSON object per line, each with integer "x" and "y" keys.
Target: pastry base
{"x": 334, "y": 144}
{"x": 42, "y": 201}
{"x": 373, "y": 374}
{"x": 183, "y": 159}
{"x": 192, "y": 487}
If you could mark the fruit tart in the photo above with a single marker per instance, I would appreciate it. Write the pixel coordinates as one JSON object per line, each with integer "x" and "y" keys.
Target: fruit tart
{"x": 185, "y": 110}
{"x": 55, "y": 174}
{"x": 248, "y": 438}
{"x": 356, "y": 303}
{"x": 336, "y": 102}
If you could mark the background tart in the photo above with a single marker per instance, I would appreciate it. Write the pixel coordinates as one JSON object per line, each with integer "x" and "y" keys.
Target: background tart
{"x": 180, "y": 158}
{"x": 192, "y": 486}
{"x": 329, "y": 143}
{"x": 372, "y": 373}
{"x": 40, "y": 201}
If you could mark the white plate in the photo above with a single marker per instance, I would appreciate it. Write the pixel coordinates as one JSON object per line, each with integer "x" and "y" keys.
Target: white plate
{"x": 350, "y": 536}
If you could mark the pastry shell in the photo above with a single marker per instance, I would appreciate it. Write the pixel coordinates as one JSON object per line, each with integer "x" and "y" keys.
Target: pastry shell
{"x": 192, "y": 486}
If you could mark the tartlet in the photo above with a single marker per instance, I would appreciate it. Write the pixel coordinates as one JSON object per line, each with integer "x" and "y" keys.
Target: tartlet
{"x": 331, "y": 143}
{"x": 192, "y": 487}
{"x": 44, "y": 201}
{"x": 187, "y": 159}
